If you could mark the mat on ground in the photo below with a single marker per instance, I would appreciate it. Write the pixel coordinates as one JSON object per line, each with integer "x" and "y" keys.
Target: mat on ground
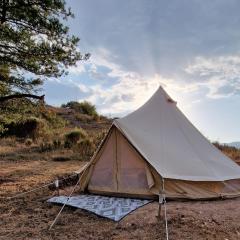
{"x": 113, "y": 208}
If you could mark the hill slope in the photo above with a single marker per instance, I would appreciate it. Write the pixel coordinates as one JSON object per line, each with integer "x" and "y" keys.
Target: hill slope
{"x": 234, "y": 144}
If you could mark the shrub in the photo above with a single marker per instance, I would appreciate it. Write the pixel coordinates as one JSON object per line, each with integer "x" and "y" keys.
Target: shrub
{"x": 31, "y": 127}
{"x": 61, "y": 158}
{"x": 14, "y": 113}
{"x": 97, "y": 138}
{"x": 27, "y": 119}
{"x": 28, "y": 142}
{"x": 2, "y": 129}
{"x": 84, "y": 107}
{"x": 67, "y": 144}
{"x": 57, "y": 143}
{"x": 46, "y": 147}
{"x": 88, "y": 108}
{"x": 96, "y": 117}
{"x": 85, "y": 148}
{"x": 74, "y": 136}
{"x": 53, "y": 119}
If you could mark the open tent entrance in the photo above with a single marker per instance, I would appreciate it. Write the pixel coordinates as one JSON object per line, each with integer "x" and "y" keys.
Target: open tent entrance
{"x": 119, "y": 169}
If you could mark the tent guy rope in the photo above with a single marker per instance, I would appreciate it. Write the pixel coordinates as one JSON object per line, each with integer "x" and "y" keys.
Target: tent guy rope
{"x": 40, "y": 187}
{"x": 54, "y": 221}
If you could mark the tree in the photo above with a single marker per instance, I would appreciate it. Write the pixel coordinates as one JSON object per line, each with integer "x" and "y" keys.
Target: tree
{"x": 34, "y": 44}
{"x": 84, "y": 107}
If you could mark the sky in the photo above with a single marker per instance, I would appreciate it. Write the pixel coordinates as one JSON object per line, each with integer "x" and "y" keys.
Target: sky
{"x": 190, "y": 48}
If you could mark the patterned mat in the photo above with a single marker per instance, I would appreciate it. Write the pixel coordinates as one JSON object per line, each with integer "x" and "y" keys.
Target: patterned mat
{"x": 110, "y": 207}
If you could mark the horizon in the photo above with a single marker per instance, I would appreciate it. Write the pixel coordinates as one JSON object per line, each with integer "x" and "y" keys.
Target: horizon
{"x": 191, "y": 49}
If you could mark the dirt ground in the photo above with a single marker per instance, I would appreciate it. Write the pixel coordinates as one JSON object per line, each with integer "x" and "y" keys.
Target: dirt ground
{"x": 29, "y": 217}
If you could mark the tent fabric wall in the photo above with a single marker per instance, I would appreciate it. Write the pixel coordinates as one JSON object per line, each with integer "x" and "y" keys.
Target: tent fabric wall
{"x": 134, "y": 177}
{"x": 182, "y": 189}
{"x": 104, "y": 170}
{"x": 119, "y": 168}
{"x": 172, "y": 145}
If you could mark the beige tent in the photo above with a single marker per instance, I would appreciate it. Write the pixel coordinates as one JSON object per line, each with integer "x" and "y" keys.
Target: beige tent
{"x": 157, "y": 144}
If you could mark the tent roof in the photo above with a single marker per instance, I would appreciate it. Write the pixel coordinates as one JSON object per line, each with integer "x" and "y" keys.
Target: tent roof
{"x": 172, "y": 145}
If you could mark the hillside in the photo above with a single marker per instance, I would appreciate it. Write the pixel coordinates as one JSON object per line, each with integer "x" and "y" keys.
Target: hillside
{"x": 75, "y": 119}
{"x": 231, "y": 152}
{"x": 234, "y": 144}
{"x": 48, "y": 132}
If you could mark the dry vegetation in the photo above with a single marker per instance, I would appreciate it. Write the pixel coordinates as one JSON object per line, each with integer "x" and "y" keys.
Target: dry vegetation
{"x": 232, "y": 152}
{"x": 29, "y": 162}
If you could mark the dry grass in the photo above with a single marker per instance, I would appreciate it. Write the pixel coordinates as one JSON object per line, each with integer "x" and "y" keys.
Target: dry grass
{"x": 232, "y": 152}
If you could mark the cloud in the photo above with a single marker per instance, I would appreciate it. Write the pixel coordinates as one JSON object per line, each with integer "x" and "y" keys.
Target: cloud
{"x": 124, "y": 91}
{"x": 115, "y": 90}
{"x": 78, "y": 69}
{"x": 124, "y": 96}
{"x": 160, "y": 37}
{"x": 141, "y": 43}
{"x": 220, "y": 75}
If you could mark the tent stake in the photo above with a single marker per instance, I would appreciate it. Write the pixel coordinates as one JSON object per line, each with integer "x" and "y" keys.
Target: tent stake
{"x": 165, "y": 208}
{"x": 159, "y": 207}
{"x": 57, "y": 186}
{"x": 160, "y": 199}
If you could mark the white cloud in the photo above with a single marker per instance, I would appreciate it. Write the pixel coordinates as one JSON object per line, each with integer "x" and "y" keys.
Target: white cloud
{"x": 124, "y": 96}
{"x": 78, "y": 69}
{"x": 118, "y": 91}
{"x": 83, "y": 88}
{"x": 126, "y": 91}
{"x": 220, "y": 75}
{"x": 224, "y": 65}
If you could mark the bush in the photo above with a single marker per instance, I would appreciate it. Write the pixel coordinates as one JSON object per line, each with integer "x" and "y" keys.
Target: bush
{"x": 15, "y": 113}
{"x": 85, "y": 148}
{"x": 74, "y": 136}
{"x": 28, "y": 128}
{"x": 24, "y": 118}
{"x": 61, "y": 158}
{"x": 53, "y": 119}
{"x": 84, "y": 107}
{"x": 68, "y": 144}
{"x": 46, "y": 147}
{"x": 98, "y": 138}
{"x": 28, "y": 142}
{"x": 57, "y": 143}
{"x": 96, "y": 118}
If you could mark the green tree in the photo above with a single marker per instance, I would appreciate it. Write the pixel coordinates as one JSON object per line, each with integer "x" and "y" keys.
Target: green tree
{"x": 34, "y": 44}
{"x": 84, "y": 107}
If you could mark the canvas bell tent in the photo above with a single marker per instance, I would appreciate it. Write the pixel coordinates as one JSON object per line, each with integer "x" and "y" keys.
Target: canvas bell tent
{"x": 156, "y": 149}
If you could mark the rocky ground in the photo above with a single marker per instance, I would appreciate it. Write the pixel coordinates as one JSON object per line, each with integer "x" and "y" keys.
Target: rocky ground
{"x": 29, "y": 217}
